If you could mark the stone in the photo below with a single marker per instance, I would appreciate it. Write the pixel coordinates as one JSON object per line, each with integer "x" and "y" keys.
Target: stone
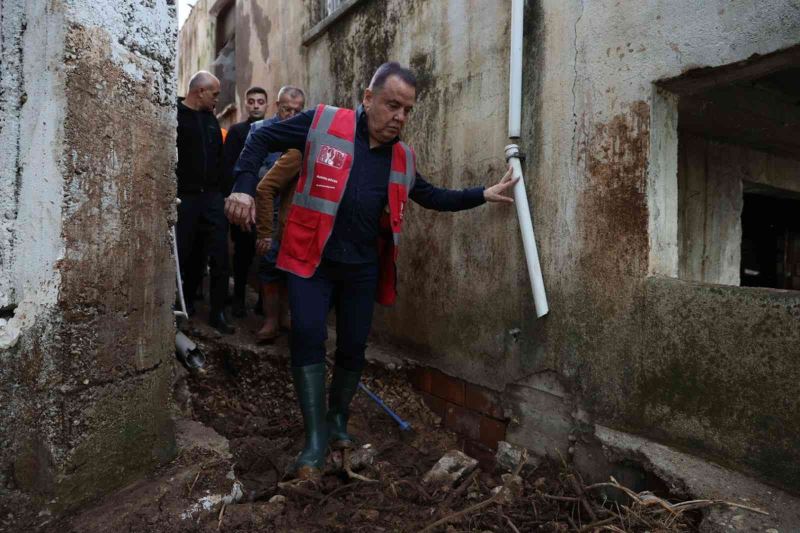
{"x": 193, "y": 435}
{"x": 370, "y": 515}
{"x": 448, "y": 470}
{"x": 363, "y": 456}
{"x": 514, "y": 484}
{"x": 509, "y": 455}
{"x": 264, "y": 514}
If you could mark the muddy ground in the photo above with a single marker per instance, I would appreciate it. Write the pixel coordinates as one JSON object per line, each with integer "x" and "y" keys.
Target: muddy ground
{"x": 239, "y": 428}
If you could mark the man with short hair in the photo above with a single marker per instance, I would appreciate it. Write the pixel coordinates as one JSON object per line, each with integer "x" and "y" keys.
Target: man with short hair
{"x": 243, "y": 241}
{"x": 202, "y": 227}
{"x": 291, "y": 101}
{"x": 340, "y": 242}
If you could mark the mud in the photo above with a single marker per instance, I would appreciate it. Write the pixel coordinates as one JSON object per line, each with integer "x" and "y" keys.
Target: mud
{"x": 239, "y": 426}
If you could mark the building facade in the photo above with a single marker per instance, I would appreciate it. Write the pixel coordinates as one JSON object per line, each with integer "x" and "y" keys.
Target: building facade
{"x": 663, "y": 175}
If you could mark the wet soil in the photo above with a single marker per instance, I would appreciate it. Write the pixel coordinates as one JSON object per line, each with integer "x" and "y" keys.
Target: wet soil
{"x": 245, "y": 395}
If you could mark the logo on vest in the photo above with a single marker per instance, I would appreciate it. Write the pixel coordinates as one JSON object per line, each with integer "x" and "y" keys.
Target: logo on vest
{"x": 331, "y": 156}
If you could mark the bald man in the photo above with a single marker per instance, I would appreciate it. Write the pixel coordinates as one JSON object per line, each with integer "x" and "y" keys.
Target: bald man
{"x": 202, "y": 228}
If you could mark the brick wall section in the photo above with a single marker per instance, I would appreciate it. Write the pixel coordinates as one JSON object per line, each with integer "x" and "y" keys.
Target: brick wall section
{"x": 471, "y": 411}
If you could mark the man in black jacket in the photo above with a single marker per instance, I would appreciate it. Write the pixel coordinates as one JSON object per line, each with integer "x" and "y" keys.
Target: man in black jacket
{"x": 244, "y": 242}
{"x": 201, "y": 221}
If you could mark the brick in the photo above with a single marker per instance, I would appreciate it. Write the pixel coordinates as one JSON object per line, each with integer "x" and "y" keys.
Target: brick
{"x": 463, "y": 421}
{"x": 437, "y": 405}
{"x": 483, "y": 454}
{"x": 420, "y": 378}
{"x": 447, "y": 387}
{"x": 482, "y": 400}
{"x": 491, "y": 431}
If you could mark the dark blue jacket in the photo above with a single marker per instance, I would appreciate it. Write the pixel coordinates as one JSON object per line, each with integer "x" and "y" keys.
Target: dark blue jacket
{"x": 355, "y": 231}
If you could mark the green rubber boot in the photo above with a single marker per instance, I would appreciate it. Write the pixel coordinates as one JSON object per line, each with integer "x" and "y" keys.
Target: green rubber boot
{"x": 309, "y": 384}
{"x": 343, "y": 388}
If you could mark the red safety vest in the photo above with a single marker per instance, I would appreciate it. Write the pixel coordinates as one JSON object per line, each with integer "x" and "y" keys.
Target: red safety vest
{"x": 327, "y": 161}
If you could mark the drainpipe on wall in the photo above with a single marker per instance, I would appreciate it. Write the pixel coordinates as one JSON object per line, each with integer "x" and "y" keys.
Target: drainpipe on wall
{"x": 513, "y": 156}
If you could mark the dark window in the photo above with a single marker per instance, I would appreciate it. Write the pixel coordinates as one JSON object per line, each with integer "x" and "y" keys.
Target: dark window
{"x": 226, "y": 26}
{"x": 771, "y": 239}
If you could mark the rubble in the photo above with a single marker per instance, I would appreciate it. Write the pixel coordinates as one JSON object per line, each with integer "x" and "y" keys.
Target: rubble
{"x": 229, "y": 474}
{"x": 360, "y": 458}
{"x": 453, "y": 466}
{"x": 508, "y": 456}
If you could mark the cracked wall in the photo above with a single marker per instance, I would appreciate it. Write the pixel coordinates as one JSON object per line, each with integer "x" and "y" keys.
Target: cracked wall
{"x": 88, "y": 337}
{"x": 698, "y": 366}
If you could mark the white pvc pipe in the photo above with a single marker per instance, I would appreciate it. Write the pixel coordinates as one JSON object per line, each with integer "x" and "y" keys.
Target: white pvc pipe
{"x": 513, "y": 157}
{"x": 526, "y": 228}
{"x": 515, "y": 71}
{"x": 182, "y": 312}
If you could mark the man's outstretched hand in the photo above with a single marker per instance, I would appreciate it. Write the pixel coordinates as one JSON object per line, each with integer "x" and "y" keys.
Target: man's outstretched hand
{"x": 240, "y": 208}
{"x": 495, "y": 192}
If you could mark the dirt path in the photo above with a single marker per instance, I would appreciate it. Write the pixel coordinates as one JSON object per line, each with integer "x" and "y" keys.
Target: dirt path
{"x": 241, "y": 428}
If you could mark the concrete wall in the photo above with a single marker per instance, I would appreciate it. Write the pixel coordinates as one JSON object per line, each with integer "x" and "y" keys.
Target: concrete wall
{"x": 86, "y": 352}
{"x": 196, "y": 44}
{"x": 269, "y": 56}
{"x": 602, "y": 173}
{"x": 605, "y": 145}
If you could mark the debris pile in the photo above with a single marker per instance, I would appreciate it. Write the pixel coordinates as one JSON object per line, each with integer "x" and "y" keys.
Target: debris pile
{"x": 249, "y": 428}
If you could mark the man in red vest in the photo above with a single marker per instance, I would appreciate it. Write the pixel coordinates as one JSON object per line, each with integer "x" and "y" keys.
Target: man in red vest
{"x": 341, "y": 238}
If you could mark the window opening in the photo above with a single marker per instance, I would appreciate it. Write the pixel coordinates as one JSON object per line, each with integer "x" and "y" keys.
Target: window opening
{"x": 738, "y": 190}
{"x": 771, "y": 239}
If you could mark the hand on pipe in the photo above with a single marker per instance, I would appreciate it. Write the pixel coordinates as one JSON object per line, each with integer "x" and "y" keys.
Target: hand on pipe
{"x": 263, "y": 246}
{"x": 495, "y": 192}
{"x": 240, "y": 208}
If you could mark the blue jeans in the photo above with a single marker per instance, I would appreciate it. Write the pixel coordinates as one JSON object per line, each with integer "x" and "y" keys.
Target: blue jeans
{"x": 350, "y": 289}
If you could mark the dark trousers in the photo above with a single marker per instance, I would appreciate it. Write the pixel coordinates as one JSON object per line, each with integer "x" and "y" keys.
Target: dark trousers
{"x": 202, "y": 230}
{"x": 244, "y": 249}
{"x": 350, "y": 290}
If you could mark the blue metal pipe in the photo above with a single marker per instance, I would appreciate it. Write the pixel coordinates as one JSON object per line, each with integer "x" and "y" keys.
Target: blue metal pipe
{"x": 405, "y": 426}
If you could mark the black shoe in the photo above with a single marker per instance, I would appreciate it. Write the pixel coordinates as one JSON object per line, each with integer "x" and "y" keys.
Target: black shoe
{"x": 217, "y": 321}
{"x": 258, "y": 308}
{"x": 238, "y": 309}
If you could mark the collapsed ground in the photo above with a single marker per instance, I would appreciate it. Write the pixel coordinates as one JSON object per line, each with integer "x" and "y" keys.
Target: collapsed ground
{"x": 245, "y": 394}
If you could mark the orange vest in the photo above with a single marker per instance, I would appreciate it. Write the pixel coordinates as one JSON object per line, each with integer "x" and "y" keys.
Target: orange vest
{"x": 327, "y": 161}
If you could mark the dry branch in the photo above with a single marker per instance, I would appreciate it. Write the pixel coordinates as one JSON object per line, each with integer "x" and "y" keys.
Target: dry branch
{"x": 478, "y": 506}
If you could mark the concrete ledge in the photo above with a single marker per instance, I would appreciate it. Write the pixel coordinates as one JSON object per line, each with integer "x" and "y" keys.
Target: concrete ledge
{"x": 322, "y": 26}
{"x": 686, "y": 474}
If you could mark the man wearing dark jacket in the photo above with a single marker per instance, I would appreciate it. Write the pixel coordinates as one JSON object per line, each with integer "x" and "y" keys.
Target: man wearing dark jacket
{"x": 244, "y": 242}
{"x": 341, "y": 237}
{"x": 201, "y": 221}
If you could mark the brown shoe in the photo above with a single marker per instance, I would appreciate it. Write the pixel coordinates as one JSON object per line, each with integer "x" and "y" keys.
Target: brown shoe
{"x": 270, "y": 296}
{"x": 268, "y": 333}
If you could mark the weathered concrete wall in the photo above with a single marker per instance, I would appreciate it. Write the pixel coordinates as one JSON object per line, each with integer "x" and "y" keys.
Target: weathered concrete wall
{"x": 710, "y": 205}
{"x": 270, "y": 56}
{"x": 84, "y": 380}
{"x": 196, "y": 44}
{"x": 605, "y": 193}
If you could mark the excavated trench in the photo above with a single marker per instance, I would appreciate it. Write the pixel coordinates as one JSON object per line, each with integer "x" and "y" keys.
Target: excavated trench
{"x": 239, "y": 428}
